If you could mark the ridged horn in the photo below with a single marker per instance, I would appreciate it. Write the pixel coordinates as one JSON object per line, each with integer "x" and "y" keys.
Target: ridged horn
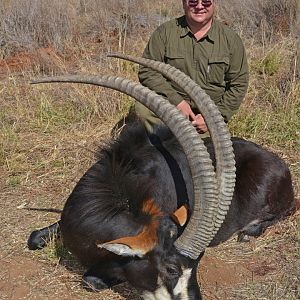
{"x": 202, "y": 171}
{"x": 225, "y": 163}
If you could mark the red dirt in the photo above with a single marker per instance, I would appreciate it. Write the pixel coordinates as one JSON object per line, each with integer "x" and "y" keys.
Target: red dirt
{"x": 17, "y": 271}
{"x": 217, "y": 272}
{"x": 25, "y": 61}
{"x": 21, "y": 270}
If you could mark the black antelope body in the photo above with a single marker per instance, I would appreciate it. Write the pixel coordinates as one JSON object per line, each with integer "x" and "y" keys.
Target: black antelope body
{"x": 151, "y": 204}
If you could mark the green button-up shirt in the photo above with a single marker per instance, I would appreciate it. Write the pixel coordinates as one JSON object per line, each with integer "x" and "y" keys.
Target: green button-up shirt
{"x": 217, "y": 62}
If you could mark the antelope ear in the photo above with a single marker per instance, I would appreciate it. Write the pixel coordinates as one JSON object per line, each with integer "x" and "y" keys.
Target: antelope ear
{"x": 141, "y": 243}
{"x": 121, "y": 249}
{"x": 180, "y": 215}
{"x": 137, "y": 245}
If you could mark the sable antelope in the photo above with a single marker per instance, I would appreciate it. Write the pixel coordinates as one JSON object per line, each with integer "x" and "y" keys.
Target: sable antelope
{"x": 151, "y": 204}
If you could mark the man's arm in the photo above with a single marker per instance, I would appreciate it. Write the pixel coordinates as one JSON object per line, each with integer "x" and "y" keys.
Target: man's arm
{"x": 155, "y": 50}
{"x": 236, "y": 79}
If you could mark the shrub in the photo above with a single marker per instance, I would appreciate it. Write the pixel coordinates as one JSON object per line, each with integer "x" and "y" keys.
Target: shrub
{"x": 264, "y": 20}
{"x": 34, "y": 23}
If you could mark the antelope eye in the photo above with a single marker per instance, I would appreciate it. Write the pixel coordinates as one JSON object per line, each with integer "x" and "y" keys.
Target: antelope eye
{"x": 172, "y": 271}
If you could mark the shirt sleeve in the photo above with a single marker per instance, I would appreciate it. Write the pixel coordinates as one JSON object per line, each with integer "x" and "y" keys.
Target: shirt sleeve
{"x": 155, "y": 50}
{"x": 236, "y": 78}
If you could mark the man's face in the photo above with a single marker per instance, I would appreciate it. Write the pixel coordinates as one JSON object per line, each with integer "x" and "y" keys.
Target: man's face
{"x": 198, "y": 11}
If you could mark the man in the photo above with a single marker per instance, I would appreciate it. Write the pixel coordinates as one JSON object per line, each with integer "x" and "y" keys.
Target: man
{"x": 209, "y": 52}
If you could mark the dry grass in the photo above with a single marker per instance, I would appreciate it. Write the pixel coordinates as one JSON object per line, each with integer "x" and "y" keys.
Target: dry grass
{"x": 272, "y": 261}
{"x": 48, "y": 135}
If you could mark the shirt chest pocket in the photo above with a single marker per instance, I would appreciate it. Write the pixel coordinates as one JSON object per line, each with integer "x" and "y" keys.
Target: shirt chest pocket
{"x": 216, "y": 69}
{"x": 175, "y": 58}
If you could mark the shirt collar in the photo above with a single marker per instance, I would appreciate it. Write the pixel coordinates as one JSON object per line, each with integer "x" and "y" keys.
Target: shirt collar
{"x": 185, "y": 30}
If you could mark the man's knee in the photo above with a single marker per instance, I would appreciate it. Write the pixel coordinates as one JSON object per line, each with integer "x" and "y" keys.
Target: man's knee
{"x": 148, "y": 118}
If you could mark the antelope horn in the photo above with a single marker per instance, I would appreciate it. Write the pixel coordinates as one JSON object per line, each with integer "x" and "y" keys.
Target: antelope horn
{"x": 225, "y": 166}
{"x": 202, "y": 171}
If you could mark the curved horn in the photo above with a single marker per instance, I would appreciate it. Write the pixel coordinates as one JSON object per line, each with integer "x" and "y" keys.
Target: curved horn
{"x": 205, "y": 185}
{"x": 219, "y": 133}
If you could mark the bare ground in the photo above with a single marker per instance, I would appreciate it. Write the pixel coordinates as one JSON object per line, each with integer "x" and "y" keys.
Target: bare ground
{"x": 230, "y": 271}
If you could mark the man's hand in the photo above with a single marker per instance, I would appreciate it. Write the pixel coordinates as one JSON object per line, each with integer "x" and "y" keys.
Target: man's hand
{"x": 186, "y": 110}
{"x": 197, "y": 120}
{"x": 199, "y": 123}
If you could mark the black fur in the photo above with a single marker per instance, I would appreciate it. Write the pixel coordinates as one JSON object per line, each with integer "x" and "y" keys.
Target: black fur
{"x": 106, "y": 205}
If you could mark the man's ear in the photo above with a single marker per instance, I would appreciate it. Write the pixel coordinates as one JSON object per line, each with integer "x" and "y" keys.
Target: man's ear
{"x": 180, "y": 215}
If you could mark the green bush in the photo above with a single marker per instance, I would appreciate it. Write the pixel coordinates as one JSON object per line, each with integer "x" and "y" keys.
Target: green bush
{"x": 270, "y": 64}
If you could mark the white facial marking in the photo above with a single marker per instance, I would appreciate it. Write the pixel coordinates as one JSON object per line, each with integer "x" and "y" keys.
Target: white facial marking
{"x": 160, "y": 294}
{"x": 182, "y": 285}
{"x": 121, "y": 249}
{"x": 181, "y": 289}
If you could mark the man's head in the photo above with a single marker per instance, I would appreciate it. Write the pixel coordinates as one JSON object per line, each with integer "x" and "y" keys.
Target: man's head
{"x": 198, "y": 12}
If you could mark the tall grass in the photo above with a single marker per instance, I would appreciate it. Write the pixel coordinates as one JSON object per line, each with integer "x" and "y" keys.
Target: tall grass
{"x": 270, "y": 113}
{"x": 31, "y": 24}
{"x": 264, "y": 19}
{"x": 80, "y": 33}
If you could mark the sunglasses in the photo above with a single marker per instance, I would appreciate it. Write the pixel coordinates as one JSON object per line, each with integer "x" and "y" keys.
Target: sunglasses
{"x": 205, "y": 3}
